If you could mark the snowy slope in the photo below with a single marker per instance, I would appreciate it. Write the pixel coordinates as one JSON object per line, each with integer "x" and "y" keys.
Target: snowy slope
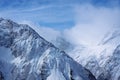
{"x": 25, "y": 55}
{"x": 103, "y": 60}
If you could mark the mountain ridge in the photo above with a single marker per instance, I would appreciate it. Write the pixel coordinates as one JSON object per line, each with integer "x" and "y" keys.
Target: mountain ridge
{"x": 31, "y": 57}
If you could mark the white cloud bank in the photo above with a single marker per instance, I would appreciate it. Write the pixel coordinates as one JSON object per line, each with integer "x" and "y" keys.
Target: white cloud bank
{"x": 92, "y": 23}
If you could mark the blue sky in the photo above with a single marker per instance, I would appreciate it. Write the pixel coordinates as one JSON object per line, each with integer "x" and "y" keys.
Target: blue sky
{"x": 79, "y": 21}
{"x": 57, "y": 14}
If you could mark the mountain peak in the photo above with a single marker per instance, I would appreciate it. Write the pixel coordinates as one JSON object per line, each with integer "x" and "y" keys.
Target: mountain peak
{"x": 31, "y": 57}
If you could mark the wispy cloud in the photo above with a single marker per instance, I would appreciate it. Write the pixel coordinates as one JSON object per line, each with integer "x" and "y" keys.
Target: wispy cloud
{"x": 50, "y": 15}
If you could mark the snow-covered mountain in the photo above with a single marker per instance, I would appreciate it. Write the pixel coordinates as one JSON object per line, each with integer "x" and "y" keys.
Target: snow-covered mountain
{"x": 25, "y": 55}
{"x": 103, "y": 60}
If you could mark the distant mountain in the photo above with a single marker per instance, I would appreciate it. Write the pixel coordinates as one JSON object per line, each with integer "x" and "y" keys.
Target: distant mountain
{"x": 25, "y": 55}
{"x": 108, "y": 63}
{"x": 103, "y": 60}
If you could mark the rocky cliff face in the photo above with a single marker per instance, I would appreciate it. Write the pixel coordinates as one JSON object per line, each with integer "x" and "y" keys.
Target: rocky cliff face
{"x": 25, "y": 55}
